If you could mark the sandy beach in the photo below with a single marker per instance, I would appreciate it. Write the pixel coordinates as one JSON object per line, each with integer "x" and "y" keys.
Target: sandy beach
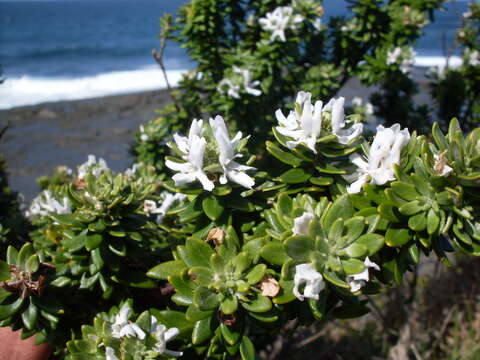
{"x": 41, "y": 137}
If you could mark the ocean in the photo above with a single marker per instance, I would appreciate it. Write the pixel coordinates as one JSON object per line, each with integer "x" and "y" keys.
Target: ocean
{"x": 67, "y": 50}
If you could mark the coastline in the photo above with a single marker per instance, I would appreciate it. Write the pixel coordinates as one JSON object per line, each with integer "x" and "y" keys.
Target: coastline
{"x": 42, "y": 137}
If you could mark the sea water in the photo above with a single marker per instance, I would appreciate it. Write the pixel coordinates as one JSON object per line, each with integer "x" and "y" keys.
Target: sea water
{"x": 66, "y": 50}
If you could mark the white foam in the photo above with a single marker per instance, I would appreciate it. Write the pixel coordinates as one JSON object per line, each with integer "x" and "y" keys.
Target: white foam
{"x": 28, "y": 90}
{"x": 429, "y": 61}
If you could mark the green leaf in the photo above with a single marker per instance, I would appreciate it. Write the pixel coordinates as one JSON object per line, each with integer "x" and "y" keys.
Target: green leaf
{"x": 433, "y": 221}
{"x": 352, "y": 266}
{"x": 274, "y": 253}
{"x": 397, "y": 236}
{"x": 230, "y": 334}
{"x": 373, "y": 242}
{"x": 29, "y": 316}
{"x": 198, "y": 252}
{"x": 4, "y": 271}
{"x": 294, "y": 176}
{"x": 405, "y": 191}
{"x": 205, "y": 299}
{"x": 247, "y": 351}
{"x": 201, "y": 275}
{"x": 286, "y": 157}
{"x": 7, "y": 309}
{"x": 356, "y": 250}
{"x": 32, "y": 264}
{"x": 24, "y": 254}
{"x": 318, "y": 307}
{"x": 284, "y": 205}
{"x": 418, "y": 222}
{"x": 118, "y": 247}
{"x": 93, "y": 241}
{"x": 256, "y": 274}
{"x": 341, "y": 208}
{"x": 12, "y": 255}
{"x": 192, "y": 211}
{"x": 61, "y": 281}
{"x": 298, "y": 247}
{"x": 229, "y": 305}
{"x": 212, "y": 206}
{"x": 194, "y": 313}
{"x": 202, "y": 331}
{"x": 258, "y": 304}
{"x": 166, "y": 269}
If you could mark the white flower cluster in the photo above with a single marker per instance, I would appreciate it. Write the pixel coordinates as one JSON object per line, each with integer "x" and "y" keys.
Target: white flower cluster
{"x": 313, "y": 280}
{"x": 358, "y": 101}
{"x": 279, "y": 20}
{"x": 92, "y": 165}
{"x": 385, "y": 151}
{"x": 405, "y": 58}
{"x": 122, "y": 327}
{"x": 473, "y": 58}
{"x": 242, "y": 81}
{"x": 45, "y": 204}
{"x": 193, "y": 149}
{"x": 314, "y": 283}
{"x": 359, "y": 280}
{"x": 167, "y": 200}
{"x": 304, "y": 124}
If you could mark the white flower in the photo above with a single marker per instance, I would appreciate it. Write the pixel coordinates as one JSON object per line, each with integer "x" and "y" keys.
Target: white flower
{"x": 168, "y": 199}
{"x": 467, "y": 14}
{"x": 357, "y": 101}
{"x": 132, "y": 171}
{"x": 143, "y": 135}
{"x": 248, "y": 84}
{"x": 45, "y": 203}
{"x": 384, "y": 152}
{"x": 193, "y": 149}
{"x": 233, "y": 90}
{"x": 91, "y": 164}
{"x": 368, "y": 109}
{"x": 279, "y": 20}
{"x": 122, "y": 327}
{"x": 303, "y": 127}
{"x": 357, "y": 281}
{"x": 473, "y": 58}
{"x": 110, "y": 354}
{"x": 231, "y": 169}
{"x": 164, "y": 335}
{"x": 343, "y": 134}
{"x": 313, "y": 280}
{"x": 244, "y": 82}
{"x": 300, "y": 224}
{"x": 394, "y": 55}
{"x": 317, "y": 23}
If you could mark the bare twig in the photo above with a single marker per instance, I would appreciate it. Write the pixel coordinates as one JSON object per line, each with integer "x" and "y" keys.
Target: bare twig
{"x": 158, "y": 57}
